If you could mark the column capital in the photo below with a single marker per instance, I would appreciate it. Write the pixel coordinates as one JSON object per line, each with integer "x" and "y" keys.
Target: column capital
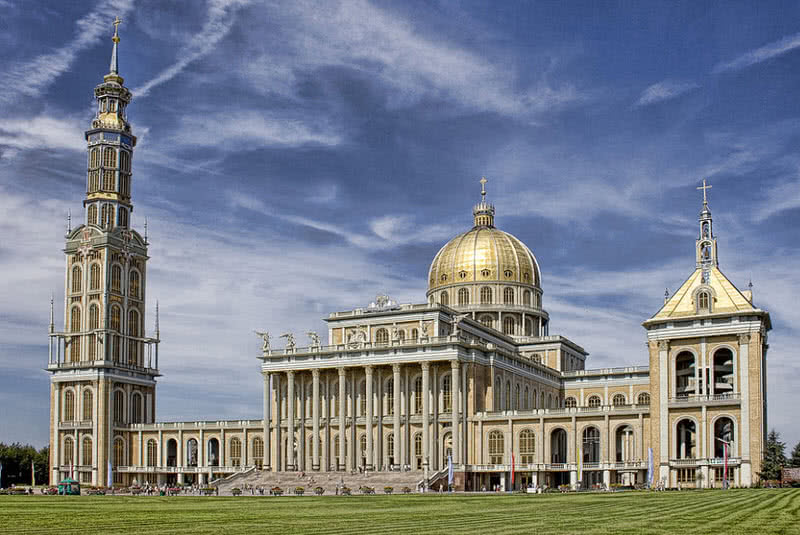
{"x": 455, "y": 364}
{"x": 342, "y": 372}
{"x": 396, "y": 368}
{"x": 425, "y": 366}
{"x": 368, "y": 369}
{"x": 744, "y": 338}
{"x": 315, "y": 373}
{"x": 663, "y": 345}
{"x": 290, "y": 374}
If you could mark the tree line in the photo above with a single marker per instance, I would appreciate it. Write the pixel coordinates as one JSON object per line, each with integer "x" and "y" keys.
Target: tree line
{"x": 16, "y": 462}
{"x": 775, "y": 457}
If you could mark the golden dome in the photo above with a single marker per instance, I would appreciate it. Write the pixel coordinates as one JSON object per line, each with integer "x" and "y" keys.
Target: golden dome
{"x": 483, "y": 254}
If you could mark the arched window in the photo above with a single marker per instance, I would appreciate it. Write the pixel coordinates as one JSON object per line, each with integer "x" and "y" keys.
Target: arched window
{"x": 109, "y": 157}
{"x": 362, "y": 398}
{"x": 86, "y": 452}
{"x": 136, "y": 402}
{"x": 418, "y": 395}
{"x": 591, "y": 445}
{"x": 94, "y": 277}
{"x": 526, "y": 406}
{"x": 119, "y": 453}
{"x": 382, "y": 336}
{"x": 723, "y": 371}
{"x": 528, "y": 327}
{"x": 447, "y": 393}
{"x": 123, "y": 217}
{"x": 87, "y": 405}
{"x": 116, "y": 278}
{"x": 414, "y": 334}
{"x": 94, "y": 158}
{"x": 116, "y": 322}
{"x": 526, "y": 298}
{"x": 463, "y": 296}
{"x": 625, "y": 445}
{"x": 236, "y": 452}
{"x": 496, "y": 447}
{"x": 390, "y": 449}
{"x": 517, "y": 402}
{"x": 119, "y": 407}
{"x": 618, "y": 400}
{"x": 444, "y": 298}
{"x": 76, "y": 279}
{"x": 152, "y": 453}
{"x": 362, "y": 449}
{"x": 75, "y": 341}
{"x": 498, "y": 394}
{"x": 527, "y": 446}
{"x": 535, "y": 399}
{"x": 258, "y": 451}
{"x": 686, "y": 439}
{"x": 684, "y": 374}
{"x": 69, "y": 406}
{"x": 418, "y": 450}
{"x": 594, "y": 401}
{"x": 108, "y": 180}
{"x": 570, "y": 402}
{"x": 69, "y": 451}
{"x": 508, "y": 396}
{"x": 133, "y": 330}
{"x": 549, "y": 401}
{"x": 643, "y": 399}
{"x": 703, "y": 302}
{"x": 125, "y": 161}
{"x": 508, "y": 296}
{"x": 92, "y": 214}
{"x": 486, "y": 295}
{"x": 724, "y": 437}
{"x": 487, "y": 320}
{"x": 509, "y": 325}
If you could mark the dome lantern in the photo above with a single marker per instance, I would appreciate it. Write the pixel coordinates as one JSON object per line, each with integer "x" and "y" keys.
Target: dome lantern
{"x": 483, "y": 212}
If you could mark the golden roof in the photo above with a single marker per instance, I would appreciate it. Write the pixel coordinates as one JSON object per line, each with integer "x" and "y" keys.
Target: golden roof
{"x": 726, "y": 297}
{"x": 483, "y": 254}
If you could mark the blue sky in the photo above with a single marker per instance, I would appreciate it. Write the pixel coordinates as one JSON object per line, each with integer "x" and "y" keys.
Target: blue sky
{"x": 298, "y": 158}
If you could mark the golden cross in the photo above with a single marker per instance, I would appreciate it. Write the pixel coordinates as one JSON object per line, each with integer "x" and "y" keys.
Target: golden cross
{"x": 483, "y": 182}
{"x": 117, "y": 22}
{"x": 704, "y": 188}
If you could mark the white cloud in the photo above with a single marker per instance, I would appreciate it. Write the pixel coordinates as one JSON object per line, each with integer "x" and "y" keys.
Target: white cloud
{"x": 221, "y": 16}
{"x": 33, "y": 77}
{"x": 363, "y": 37}
{"x": 252, "y": 130}
{"x": 780, "y": 197}
{"x": 768, "y": 51}
{"x": 665, "y": 90}
{"x": 43, "y": 131}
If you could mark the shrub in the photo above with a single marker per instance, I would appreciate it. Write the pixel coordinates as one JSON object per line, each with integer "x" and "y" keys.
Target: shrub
{"x": 299, "y": 491}
{"x": 319, "y": 491}
{"x": 406, "y": 490}
{"x": 345, "y": 491}
{"x": 276, "y": 491}
{"x": 236, "y": 491}
{"x": 388, "y": 490}
{"x": 367, "y": 490}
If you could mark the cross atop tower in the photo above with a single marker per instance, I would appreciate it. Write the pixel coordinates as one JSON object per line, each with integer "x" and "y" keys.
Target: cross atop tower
{"x": 116, "y": 23}
{"x": 483, "y": 182}
{"x": 704, "y": 187}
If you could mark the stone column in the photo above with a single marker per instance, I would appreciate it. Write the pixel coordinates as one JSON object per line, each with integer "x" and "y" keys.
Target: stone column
{"x": 276, "y": 387}
{"x": 426, "y": 452}
{"x": 456, "y": 403}
{"x": 301, "y": 441}
{"x": 315, "y": 420}
{"x": 370, "y": 402}
{"x": 342, "y": 401}
{"x": 396, "y": 419}
{"x": 290, "y": 420}
{"x": 267, "y": 450}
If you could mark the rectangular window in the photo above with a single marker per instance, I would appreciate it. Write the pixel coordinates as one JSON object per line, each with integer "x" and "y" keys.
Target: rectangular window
{"x": 686, "y": 475}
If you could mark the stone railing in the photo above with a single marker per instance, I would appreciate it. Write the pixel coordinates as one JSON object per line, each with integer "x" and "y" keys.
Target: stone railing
{"x": 692, "y": 398}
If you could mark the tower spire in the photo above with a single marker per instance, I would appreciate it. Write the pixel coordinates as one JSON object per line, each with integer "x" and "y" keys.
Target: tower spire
{"x": 52, "y": 316}
{"x": 114, "y": 67}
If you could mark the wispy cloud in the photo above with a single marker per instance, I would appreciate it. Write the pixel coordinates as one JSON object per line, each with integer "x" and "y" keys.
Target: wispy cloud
{"x": 665, "y": 90}
{"x": 221, "y": 16}
{"x": 40, "y": 131}
{"x": 33, "y": 77}
{"x": 768, "y": 51}
{"x": 778, "y": 198}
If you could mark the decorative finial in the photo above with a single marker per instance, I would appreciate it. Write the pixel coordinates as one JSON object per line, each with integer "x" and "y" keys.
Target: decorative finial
{"x": 145, "y": 229}
{"x": 158, "y": 330}
{"x": 666, "y": 294}
{"x": 704, "y": 187}
{"x": 52, "y": 316}
{"x": 483, "y": 182}
{"x": 117, "y": 22}
{"x": 69, "y": 220}
{"x": 750, "y": 285}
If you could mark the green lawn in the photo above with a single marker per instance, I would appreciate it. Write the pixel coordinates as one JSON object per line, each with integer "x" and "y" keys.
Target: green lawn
{"x": 736, "y": 511}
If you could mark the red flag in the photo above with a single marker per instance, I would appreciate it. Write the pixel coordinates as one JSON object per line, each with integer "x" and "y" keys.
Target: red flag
{"x": 512, "y": 470}
{"x": 725, "y": 449}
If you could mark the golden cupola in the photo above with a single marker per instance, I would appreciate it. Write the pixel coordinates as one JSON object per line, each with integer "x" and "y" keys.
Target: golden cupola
{"x": 491, "y": 274}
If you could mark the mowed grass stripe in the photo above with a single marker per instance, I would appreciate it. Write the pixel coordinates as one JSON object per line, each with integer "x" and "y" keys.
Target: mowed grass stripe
{"x": 762, "y": 511}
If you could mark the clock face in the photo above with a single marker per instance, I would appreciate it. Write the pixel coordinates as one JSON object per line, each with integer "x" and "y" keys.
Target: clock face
{"x": 126, "y": 140}
{"x": 108, "y": 136}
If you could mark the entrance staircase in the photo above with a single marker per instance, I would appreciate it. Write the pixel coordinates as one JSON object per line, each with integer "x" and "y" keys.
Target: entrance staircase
{"x": 289, "y": 481}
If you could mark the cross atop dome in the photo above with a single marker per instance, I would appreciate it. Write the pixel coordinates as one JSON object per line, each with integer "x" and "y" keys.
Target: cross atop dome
{"x": 483, "y": 212}
{"x": 705, "y": 187}
{"x": 483, "y": 182}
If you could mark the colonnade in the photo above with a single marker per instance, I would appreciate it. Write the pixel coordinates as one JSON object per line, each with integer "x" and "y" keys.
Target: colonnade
{"x": 364, "y": 422}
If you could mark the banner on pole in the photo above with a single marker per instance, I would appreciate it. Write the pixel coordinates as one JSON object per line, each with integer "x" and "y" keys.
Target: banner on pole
{"x": 449, "y": 469}
{"x": 109, "y": 478}
{"x": 580, "y": 465}
{"x": 650, "y": 471}
{"x": 33, "y": 475}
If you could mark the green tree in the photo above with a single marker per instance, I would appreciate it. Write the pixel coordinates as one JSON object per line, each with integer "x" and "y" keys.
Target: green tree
{"x": 795, "y": 460}
{"x": 16, "y": 460}
{"x": 774, "y": 457}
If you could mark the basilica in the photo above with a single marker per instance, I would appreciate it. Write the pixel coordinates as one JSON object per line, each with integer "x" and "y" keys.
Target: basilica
{"x": 470, "y": 381}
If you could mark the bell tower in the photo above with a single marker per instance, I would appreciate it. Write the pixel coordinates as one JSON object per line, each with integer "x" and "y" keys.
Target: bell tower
{"x": 103, "y": 367}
